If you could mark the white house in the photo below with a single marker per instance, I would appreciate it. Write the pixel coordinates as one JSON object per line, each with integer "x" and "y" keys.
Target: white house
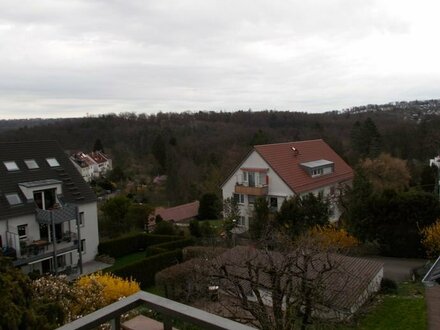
{"x": 48, "y": 213}
{"x": 91, "y": 165}
{"x": 278, "y": 171}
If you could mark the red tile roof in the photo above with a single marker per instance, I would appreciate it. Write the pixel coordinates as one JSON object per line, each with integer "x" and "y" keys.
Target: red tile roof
{"x": 98, "y": 157}
{"x": 179, "y": 212}
{"x": 285, "y": 161}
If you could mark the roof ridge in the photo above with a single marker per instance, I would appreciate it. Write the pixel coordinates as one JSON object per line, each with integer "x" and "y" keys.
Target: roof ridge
{"x": 288, "y": 142}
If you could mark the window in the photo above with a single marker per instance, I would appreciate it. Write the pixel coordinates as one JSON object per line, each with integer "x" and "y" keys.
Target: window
{"x": 61, "y": 261}
{"x": 31, "y": 164}
{"x": 81, "y": 219}
{"x": 251, "y": 199}
{"x": 52, "y": 162}
{"x": 11, "y": 166}
{"x": 13, "y": 199}
{"x": 22, "y": 231}
{"x": 83, "y": 246}
{"x": 245, "y": 177}
{"x": 317, "y": 172}
{"x": 274, "y": 203}
{"x": 45, "y": 199}
{"x": 239, "y": 198}
{"x": 241, "y": 221}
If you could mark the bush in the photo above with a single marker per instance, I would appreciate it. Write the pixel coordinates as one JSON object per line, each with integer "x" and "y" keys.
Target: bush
{"x": 388, "y": 286}
{"x": 145, "y": 270}
{"x": 132, "y": 243}
{"x": 194, "y": 228}
{"x": 191, "y": 252}
{"x": 168, "y": 246}
{"x": 164, "y": 228}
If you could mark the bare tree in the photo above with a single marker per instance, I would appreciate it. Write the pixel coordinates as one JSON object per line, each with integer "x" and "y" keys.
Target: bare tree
{"x": 283, "y": 284}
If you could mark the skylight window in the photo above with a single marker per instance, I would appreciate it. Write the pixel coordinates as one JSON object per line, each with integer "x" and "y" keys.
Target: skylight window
{"x": 11, "y": 166}
{"x": 31, "y": 164}
{"x": 52, "y": 162}
{"x": 13, "y": 199}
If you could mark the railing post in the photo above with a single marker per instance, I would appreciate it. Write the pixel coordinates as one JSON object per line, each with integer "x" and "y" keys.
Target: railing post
{"x": 115, "y": 323}
{"x": 167, "y": 323}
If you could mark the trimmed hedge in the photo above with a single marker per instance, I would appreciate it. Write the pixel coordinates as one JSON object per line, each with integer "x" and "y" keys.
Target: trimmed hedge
{"x": 145, "y": 270}
{"x": 168, "y": 246}
{"x": 132, "y": 243}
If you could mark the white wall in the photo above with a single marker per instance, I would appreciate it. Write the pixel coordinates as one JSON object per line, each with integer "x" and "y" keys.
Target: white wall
{"x": 90, "y": 230}
{"x": 277, "y": 187}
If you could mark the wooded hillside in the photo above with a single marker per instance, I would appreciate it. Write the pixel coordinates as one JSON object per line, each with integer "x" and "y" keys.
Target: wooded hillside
{"x": 198, "y": 150}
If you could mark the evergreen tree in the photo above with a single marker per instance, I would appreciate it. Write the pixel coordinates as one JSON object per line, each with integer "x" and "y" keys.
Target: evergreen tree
{"x": 210, "y": 207}
{"x": 98, "y": 146}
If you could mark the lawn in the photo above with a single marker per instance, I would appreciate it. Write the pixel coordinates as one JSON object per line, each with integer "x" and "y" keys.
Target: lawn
{"x": 125, "y": 260}
{"x": 404, "y": 311}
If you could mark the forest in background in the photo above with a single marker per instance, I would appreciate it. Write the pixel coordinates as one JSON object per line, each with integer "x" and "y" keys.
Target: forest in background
{"x": 197, "y": 150}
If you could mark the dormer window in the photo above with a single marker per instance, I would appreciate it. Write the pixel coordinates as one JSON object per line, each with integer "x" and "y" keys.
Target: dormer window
{"x": 52, "y": 162}
{"x": 11, "y": 166}
{"x": 318, "y": 167}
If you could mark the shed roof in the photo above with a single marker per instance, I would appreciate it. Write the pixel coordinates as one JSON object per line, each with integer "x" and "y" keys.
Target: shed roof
{"x": 179, "y": 212}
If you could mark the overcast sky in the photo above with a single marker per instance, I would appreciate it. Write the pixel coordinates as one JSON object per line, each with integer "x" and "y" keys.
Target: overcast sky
{"x": 73, "y": 58}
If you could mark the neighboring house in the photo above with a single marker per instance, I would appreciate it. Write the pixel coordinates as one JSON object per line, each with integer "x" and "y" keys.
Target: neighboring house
{"x": 91, "y": 165}
{"x": 102, "y": 160}
{"x": 345, "y": 287}
{"x": 432, "y": 277}
{"x": 278, "y": 171}
{"x": 178, "y": 214}
{"x": 48, "y": 213}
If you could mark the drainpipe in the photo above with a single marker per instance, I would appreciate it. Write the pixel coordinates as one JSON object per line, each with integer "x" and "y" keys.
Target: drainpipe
{"x": 80, "y": 264}
{"x": 54, "y": 243}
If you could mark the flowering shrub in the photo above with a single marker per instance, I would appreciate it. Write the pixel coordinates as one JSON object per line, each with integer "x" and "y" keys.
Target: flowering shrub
{"x": 431, "y": 239}
{"x": 111, "y": 287}
{"x": 71, "y": 301}
{"x": 331, "y": 236}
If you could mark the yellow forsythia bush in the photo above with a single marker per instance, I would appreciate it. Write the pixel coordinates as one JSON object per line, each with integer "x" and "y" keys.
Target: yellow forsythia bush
{"x": 333, "y": 237}
{"x": 113, "y": 287}
{"x": 431, "y": 239}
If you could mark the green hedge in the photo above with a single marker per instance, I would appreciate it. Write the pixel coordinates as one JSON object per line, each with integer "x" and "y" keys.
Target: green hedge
{"x": 133, "y": 243}
{"x": 168, "y": 246}
{"x": 145, "y": 270}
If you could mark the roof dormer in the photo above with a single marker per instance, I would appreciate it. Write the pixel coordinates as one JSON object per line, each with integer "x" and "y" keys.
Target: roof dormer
{"x": 318, "y": 167}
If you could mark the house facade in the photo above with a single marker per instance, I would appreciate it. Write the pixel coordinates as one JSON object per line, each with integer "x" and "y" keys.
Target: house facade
{"x": 91, "y": 165}
{"x": 279, "y": 171}
{"x": 48, "y": 213}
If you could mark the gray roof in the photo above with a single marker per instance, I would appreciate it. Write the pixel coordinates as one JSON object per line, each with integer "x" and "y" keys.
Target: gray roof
{"x": 75, "y": 189}
{"x": 433, "y": 273}
{"x": 317, "y": 163}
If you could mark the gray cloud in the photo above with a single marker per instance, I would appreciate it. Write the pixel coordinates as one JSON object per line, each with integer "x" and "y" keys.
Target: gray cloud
{"x": 70, "y": 58}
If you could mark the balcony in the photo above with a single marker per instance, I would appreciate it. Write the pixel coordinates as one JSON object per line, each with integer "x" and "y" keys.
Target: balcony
{"x": 58, "y": 215}
{"x": 247, "y": 190}
{"x": 168, "y": 309}
{"x": 41, "y": 249}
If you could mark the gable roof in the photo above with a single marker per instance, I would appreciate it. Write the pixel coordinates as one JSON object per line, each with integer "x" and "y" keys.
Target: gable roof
{"x": 342, "y": 286}
{"x": 286, "y": 162}
{"x": 74, "y": 188}
{"x": 179, "y": 212}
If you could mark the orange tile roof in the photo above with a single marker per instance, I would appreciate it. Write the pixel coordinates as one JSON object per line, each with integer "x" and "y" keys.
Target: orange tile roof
{"x": 286, "y": 163}
{"x": 179, "y": 212}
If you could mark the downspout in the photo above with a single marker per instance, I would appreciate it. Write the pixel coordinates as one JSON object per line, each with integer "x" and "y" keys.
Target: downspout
{"x": 54, "y": 243}
{"x": 79, "y": 241}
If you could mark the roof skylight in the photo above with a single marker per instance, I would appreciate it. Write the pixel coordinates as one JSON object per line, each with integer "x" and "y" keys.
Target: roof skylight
{"x": 13, "y": 199}
{"x": 31, "y": 164}
{"x": 52, "y": 162}
{"x": 11, "y": 166}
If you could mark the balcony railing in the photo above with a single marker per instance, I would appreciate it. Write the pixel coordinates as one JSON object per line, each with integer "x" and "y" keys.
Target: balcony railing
{"x": 169, "y": 310}
{"x": 247, "y": 190}
{"x": 59, "y": 215}
{"x": 42, "y": 249}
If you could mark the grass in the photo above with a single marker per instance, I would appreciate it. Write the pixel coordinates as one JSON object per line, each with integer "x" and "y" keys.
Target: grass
{"x": 126, "y": 260}
{"x": 404, "y": 311}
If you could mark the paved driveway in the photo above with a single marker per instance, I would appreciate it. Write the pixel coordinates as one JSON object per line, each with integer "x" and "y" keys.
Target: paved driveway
{"x": 399, "y": 269}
